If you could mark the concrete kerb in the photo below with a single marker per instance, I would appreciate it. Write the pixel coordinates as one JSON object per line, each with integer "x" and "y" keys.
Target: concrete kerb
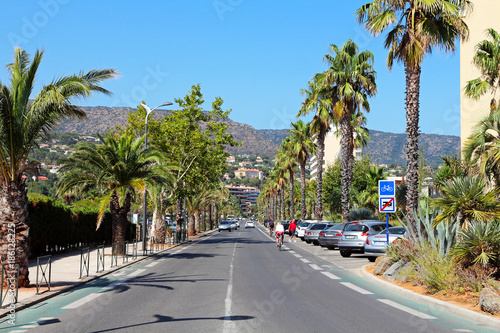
{"x": 4, "y": 311}
{"x": 476, "y": 317}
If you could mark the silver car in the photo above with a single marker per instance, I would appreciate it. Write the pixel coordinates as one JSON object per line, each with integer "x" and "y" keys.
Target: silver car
{"x": 311, "y": 234}
{"x": 330, "y": 236}
{"x": 225, "y": 225}
{"x": 354, "y": 235}
{"x": 302, "y": 226}
{"x": 376, "y": 245}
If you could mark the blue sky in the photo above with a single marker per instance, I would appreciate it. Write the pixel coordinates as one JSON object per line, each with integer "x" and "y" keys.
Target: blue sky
{"x": 256, "y": 55}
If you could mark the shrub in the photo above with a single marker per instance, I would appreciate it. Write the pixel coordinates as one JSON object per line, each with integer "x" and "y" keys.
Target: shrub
{"x": 360, "y": 214}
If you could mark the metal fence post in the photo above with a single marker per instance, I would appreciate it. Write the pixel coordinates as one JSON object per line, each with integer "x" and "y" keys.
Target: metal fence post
{"x": 84, "y": 261}
{"x": 39, "y": 269}
{"x": 100, "y": 257}
{"x": 114, "y": 254}
{"x": 125, "y": 252}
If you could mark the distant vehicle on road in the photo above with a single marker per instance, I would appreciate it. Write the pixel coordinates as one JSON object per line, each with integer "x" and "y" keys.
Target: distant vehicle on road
{"x": 249, "y": 224}
{"x": 225, "y": 225}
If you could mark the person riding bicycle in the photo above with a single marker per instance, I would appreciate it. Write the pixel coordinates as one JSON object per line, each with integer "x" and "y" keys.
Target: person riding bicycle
{"x": 280, "y": 233}
{"x": 271, "y": 227}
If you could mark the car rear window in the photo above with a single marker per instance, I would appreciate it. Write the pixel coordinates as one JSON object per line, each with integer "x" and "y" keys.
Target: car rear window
{"x": 336, "y": 227}
{"x": 378, "y": 227}
{"x": 356, "y": 227}
{"x": 319, "y": 226}
{"x": 304, "y": 224}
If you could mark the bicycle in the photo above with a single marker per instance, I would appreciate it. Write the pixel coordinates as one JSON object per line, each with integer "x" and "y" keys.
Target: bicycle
{"x": 280, "y": 242}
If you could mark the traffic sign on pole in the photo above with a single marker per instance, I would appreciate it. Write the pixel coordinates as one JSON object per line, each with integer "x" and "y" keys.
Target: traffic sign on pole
{"x": 387, "y": 188}
{"x": 387, "y": 204}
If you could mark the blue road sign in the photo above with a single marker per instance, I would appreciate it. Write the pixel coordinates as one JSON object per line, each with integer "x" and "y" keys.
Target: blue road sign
{"x": 387, "y": 204}
{"x": 386, "y": 188}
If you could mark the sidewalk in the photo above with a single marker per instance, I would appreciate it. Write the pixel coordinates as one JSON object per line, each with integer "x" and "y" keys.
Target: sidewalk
{"x": 65, "y": 272}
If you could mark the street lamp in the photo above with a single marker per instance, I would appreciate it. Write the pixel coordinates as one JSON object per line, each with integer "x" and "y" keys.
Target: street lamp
{"x": 144, "y": 226}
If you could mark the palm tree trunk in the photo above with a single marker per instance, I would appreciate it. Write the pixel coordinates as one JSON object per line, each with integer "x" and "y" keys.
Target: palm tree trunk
{"x": 216, "y": 212}
{"x": 303, "y": 211}
{"x": 203, "y": 219}
{"x": 192, "y": 224}
{"x": 178, "y": 217}
{"x": 210, "y": 217}
{"x": 412, "y": 133}
{"x": 197, "y": 222}
{"x": 159, "y": 228}
{"x": 119, "y": 220}
{"x": 345, "y": 138}
{"x": 283, "y": 210}
{"x": 14, "y": 229}
{"x": 319, "y": 179}
{"x": 292, "y": 204}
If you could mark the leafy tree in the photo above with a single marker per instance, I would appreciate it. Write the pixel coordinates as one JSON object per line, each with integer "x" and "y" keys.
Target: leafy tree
{"x": 24, "y": 118}
{"x": 118, "y": 168}
{"x": 487, "y": 60}
{"x": 415, "y": 28}
{"x": 369, "y": 197}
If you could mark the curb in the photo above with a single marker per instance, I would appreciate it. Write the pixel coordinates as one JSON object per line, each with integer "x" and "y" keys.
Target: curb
{"x": 437, "y": 304}
{"x": 4, "y": 311}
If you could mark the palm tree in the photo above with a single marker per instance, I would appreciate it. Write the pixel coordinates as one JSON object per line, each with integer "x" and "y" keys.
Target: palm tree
{"x": 416, "y": 27}
{"x": 466, "y": 198}
{"x": 288, "y": 162}
{"x": 118, "y": 168}
{"x": 304, "y": 147}
{"x": 25, "y": 118}
{"x": 320, "y": 125}
{"x": 482, "y": 148}
{"x": 487, "y": 59}
{"x": 350, "y": 80}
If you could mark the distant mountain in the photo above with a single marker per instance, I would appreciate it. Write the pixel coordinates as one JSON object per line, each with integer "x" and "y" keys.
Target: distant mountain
{"x": 384, "y": 148}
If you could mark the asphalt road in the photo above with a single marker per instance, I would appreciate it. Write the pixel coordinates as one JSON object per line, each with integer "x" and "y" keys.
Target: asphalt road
{"x": 234, "y": 282}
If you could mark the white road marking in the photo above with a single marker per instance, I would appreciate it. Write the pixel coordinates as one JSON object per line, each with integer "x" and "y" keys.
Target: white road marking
{"x": 330, "y": 275}
{"x": 114, "y": 284}
{"x": 356, "y": 288}
{"x": 315, "y": 267}
{"x": 120, "y": 272}
{"x": 81, "y": 301}
{"x": 152, "y": 264}
{"x": 137, "y": 272}
{"x": 462, "y": 330}
{"x": 305, "y": 260}
{"x": 406, "y": 309}
{"x": 229, "y": 325}
{"x": 29, "y": 326}
{"x": 18, "y": 331}
{"x": 297, "y": 255}
{"x": 292, "y": 252}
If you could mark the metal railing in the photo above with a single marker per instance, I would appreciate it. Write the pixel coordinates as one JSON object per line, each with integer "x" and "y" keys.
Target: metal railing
{"x": 114, "y": 255}
{"x": 42, "y": 268}
{"x": 134, "y": 249}
{"x": 12, "y": 288}
{"x": 100, "y": 258}
{"x": 125, "y": 252}
{"x": 84, "y": 261}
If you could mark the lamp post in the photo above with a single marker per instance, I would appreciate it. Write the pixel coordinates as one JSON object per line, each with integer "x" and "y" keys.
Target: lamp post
{"x": 144, "y": 220}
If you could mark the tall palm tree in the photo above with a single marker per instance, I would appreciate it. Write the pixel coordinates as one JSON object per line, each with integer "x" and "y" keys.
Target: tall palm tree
{"x": 482, "y": 148}
{"x": 487, "y": 59}
{"x": 317, "y": 101}
{"x": 351, "y": 79}
{"x": 24, "y": 118}
{"x": 415, "y": 28}
{"x": 118, "y": 168}
{"x": 303, "y": 147}
{"x": 288, "y": 162}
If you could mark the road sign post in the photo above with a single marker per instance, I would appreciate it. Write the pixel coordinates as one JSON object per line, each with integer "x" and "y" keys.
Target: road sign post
{"x": 387, "y": 200}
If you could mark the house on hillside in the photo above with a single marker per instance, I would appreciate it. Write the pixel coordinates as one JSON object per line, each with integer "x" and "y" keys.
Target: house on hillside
{"x": 249, "y": 173}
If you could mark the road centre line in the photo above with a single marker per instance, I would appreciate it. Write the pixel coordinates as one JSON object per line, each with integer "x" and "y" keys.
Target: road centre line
{"x": 330, "y": 275}
{"x": 297, "y": 255}
{"x": 137, "y": 272}
{"x": 356, "y": 288}
{"x": 406, "y": 309}
{"x": 292, "y": 251}
{"x": 81, "y": 301}
{"x": 315, "y": 267}
{"x": 228, "y": 325}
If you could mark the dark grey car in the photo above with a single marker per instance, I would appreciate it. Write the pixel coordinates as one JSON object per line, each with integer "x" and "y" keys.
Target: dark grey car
{"x": 354, "y": 236}
{"x": 330, "y": 236}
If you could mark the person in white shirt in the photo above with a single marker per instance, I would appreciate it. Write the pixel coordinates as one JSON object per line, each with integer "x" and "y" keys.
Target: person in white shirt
{"x": 280, "y": 232}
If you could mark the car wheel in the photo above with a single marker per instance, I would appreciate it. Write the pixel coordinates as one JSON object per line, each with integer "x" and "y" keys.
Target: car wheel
{"x": 219, "y": 230}
{"x": 372, "y": 259}
{"x": 315, "y": 243}
{"x": 345, "y": 253}
{"x": 229, "y": 230}
{"x": 331, "y": 247}
{"x": 308, "y": 241}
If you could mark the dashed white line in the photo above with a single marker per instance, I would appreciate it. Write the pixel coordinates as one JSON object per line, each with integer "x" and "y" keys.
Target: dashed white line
{"x": 330, "y": 275}
{"x": 152, "y": 264}
{"x": 137, "y": 272}
{"x": 315, "y": 267}
{"x": 406, "y": 309}
{"x": 292, "y": 251}
{"x": 356, "y": 288}
{"x": 81, "y": 301}
{"x": 305, "y": 260}
{"x": 462, "y": 330}
{"x": 29, "y": 326}
{"x": 18, "y": 331}
{"x": 228, "y": 324}
{"x": 297, "y": 255}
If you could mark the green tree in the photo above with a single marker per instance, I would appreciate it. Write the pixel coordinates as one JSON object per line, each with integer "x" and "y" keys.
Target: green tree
{"x": 416, "y": 27}
{"x": 369, "y": 197}
{"x": 118, "y": 168}
{"x": 303, "y": 148}
{"x": 24, "y": 118}
{"x": 487, "y": 60}
{"x": 350, "y": 80}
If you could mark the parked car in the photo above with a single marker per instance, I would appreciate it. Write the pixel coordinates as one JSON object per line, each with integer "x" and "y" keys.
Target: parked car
{"x": 311, "y": 234}
{"x": 376, "y": 245}
{"x": 249, "y": 224}
{"x": 225, "y": 225}
{"x": 330, "y": 236}
{"x": 302, "y": 226}
{"x": 286, "y": 225}
{"x": 354, "y": 235}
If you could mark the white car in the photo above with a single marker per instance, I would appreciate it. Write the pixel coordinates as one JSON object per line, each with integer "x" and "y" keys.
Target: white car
{"x": 249, "y": 224}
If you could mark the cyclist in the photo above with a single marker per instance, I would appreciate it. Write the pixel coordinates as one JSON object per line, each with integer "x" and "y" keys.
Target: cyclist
{"x": 271, "y": 227}
{"x": 280, "y": 232}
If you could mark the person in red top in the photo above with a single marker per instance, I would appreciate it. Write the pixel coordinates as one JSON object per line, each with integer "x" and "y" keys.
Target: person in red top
{"x": 292, "y": 228}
